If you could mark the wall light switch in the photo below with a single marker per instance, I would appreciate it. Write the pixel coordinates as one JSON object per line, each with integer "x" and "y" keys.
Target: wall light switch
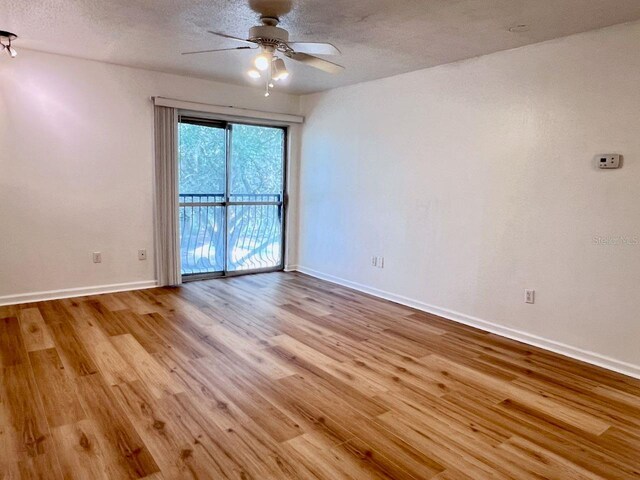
{"x": 374, "y": 261}
{"x": 97, "y": 257}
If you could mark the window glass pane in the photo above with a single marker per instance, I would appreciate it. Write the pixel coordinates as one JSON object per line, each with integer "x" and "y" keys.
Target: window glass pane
{"x": 201, "y": 239}
{"x": 255, "y": 236}
{"x": 202, "y": 159}
{"x": 256, "y": 160}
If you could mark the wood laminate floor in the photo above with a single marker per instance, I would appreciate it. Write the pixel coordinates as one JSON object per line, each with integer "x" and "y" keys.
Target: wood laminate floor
{"x": 282, "y": 376}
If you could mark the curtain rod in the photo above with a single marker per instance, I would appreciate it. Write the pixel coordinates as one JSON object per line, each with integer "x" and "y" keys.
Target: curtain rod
{"x": 227, "y": 110}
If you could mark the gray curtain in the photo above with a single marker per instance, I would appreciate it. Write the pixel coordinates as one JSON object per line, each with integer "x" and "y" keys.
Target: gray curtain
{"x": 166, "y": 199}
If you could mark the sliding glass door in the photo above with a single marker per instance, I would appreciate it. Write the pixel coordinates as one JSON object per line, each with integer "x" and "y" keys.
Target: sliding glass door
{"x": 202, "y": 188}
{"x": 254, "y": 212}
{"x": 231, "y": 197}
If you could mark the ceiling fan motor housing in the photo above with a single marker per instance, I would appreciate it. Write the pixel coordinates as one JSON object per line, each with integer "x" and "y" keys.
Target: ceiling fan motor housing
{"x": 265, "y": 34}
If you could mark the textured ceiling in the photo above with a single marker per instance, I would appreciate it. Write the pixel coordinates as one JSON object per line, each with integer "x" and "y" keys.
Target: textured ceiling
{"x": 378, "y": 38}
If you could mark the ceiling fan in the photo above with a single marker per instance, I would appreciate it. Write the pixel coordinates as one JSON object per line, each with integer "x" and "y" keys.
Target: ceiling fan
{"x": 273, "y": 43}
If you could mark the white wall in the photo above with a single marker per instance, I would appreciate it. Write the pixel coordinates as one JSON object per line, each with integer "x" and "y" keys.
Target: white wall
{"x": 475, "y": 181}
{"x": 76, "y": 168}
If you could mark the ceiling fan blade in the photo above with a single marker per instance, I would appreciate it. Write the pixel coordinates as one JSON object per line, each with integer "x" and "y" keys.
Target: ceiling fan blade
{"x": 315, "y": 48}
{"x": 218, "y": 50}
{"x": 224, "y": 35}
{"x": 316, "y": 62}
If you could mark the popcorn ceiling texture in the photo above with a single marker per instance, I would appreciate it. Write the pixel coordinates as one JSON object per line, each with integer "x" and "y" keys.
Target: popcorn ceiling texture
{"x": 378, "y": 38}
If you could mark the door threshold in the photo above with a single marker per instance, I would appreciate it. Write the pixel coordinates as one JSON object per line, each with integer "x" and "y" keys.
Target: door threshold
{"x": 216, "y": 275}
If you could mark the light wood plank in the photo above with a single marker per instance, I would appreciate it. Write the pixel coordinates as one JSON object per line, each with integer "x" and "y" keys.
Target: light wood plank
{"x": 34, "y": 330}
{"x": 57, "y": 391}
{"x": 124, "y": 453}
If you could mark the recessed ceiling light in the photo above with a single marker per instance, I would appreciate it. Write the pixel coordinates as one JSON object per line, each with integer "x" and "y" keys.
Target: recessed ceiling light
{"x": 521, "y": 28}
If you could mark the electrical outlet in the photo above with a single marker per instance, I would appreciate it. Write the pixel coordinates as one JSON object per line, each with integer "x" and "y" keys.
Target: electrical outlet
{"x": 97, "y": 257}
{"x": 142, "y": 254}
{"x": 374, "y": 261}
{"x": 529, "y": 296}
{"x": 380, "y": 262}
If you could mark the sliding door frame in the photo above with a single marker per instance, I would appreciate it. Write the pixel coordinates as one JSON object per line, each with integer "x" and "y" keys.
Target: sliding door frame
{"x": 212, "y": 121}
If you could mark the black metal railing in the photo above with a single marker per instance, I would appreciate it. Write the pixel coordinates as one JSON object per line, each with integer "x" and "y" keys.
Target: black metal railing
{"x": 253, "y": 237}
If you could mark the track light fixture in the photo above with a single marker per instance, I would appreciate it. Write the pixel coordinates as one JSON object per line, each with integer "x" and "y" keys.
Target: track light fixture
{"x": 5, "y": 43}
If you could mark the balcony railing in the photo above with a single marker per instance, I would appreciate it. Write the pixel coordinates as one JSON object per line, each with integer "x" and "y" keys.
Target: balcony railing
{"x": 254, "y": 232}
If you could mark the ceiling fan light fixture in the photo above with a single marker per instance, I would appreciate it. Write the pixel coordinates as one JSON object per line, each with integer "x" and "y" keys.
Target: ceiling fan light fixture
{"x": 272, "y": 44}
{"x": 12, "y": 52}
{"x": 263, "y": 61}
{"x": 280, "y": 69}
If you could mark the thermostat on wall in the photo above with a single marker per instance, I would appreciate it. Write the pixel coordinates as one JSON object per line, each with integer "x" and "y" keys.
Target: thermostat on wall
{"x": 608, "y": 160}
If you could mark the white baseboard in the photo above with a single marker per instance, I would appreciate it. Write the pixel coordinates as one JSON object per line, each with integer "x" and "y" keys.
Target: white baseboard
{"x": 524, "y": 337}
{"x": 290, "y": 268}
{"x": 75, "y": 292}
